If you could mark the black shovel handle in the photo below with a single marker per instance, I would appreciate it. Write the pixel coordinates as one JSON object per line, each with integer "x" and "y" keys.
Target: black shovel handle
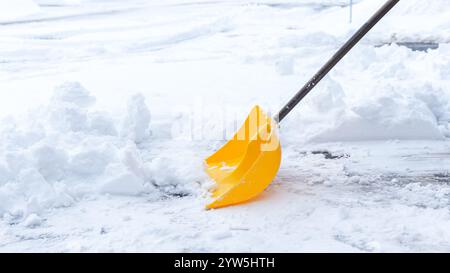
{"x": 335, "y": 59}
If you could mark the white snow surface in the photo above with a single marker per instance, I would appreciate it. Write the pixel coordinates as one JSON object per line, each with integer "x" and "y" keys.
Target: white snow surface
{"x": 107, "y": 109}
{"x": 16, "y": 9}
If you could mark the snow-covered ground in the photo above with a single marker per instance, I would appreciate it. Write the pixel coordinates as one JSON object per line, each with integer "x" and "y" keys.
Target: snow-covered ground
{"x": 107, "y": 109}
{"x": 17, "y": 9}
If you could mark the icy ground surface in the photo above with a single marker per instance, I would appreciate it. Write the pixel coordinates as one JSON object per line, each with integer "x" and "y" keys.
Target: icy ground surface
{"x": 107, "y": 109}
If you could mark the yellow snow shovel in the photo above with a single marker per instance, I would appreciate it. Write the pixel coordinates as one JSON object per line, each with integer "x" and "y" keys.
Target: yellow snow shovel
{"x": 248, "y": 163}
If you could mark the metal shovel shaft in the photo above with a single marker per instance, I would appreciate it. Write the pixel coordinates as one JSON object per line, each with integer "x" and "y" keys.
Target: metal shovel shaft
{"x": 335, "y": 59}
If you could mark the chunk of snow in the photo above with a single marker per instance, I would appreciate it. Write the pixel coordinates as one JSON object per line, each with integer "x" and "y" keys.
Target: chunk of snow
{"x": 32, "y": 221}
{"x": 135, "y": 125}
{"x": 91, "y": 160}
{"x": 73, "y": 93}
{"x": 50, "y": 161}
{"x": 329, "y": 96}
{"x": 123, "y": 184}
{"x": 100, "y": 123}
{"x": 68, "y": 118}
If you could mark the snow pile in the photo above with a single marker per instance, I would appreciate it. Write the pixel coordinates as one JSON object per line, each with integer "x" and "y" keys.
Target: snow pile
{"x": 13, "y": 9}
{"x": 404, "y": 103}
{"x": 67, "y": 150}
{"x": 385, "y": 117}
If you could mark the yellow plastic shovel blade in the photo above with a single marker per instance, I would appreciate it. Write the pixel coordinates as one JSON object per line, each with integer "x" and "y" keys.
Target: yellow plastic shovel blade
{"x": 246, "y": 164}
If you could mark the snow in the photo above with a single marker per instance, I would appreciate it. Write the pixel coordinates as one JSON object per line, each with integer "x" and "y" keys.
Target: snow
{"x": 65, "y": 150}
{"x": 32, "y": 221}
{"x": 136, "y": 123}
{"x": 107, "y": 109}
{"x": 17, "y": 9}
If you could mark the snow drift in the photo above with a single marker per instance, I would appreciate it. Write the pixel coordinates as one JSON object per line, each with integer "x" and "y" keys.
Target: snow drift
{"x": 395, "y": 101}
{"x": 66, "y": 150}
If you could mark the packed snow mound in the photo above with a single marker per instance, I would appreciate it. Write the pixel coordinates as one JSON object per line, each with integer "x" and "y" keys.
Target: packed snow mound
{"x": 136, "y": 123}
{"x": 14, "y": 9}
{"x": 67, "y": 150}
{"x": 385, "y": 117}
